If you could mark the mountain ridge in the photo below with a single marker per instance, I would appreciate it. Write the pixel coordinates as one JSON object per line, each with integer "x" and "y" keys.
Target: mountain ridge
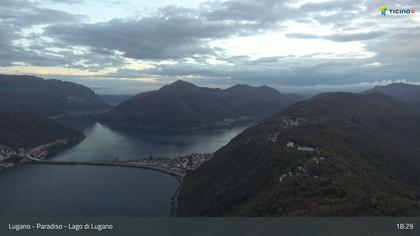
{"x": 27, "y": 130}
{"x": 407, "y": 93}
{"x": 23, "y": 93}
{"x": 336, "y": 154}
{"x": 183, "y": 105}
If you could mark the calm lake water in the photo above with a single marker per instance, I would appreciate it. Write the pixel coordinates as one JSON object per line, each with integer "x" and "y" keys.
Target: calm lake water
{"x": 47, "y": 190}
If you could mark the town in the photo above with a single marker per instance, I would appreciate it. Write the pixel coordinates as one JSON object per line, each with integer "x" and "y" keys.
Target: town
{"x": 180, "y": 165}
{"x": 9, "y": 156}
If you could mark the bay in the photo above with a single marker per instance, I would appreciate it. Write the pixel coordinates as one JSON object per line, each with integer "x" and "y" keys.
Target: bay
{"x": 49, "y": 190}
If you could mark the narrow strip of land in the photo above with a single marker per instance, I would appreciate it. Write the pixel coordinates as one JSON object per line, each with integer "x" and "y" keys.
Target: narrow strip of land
{"x": 177, "y": 167}
{"x": 150, "y": 165}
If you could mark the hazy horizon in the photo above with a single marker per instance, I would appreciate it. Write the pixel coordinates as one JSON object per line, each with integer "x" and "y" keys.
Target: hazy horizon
{"x": 304, "y": 91}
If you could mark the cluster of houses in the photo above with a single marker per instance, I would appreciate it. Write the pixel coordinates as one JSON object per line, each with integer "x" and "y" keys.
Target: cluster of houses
{"x": 191, "y": 161}
{"x": 317, "y": 159}
{"x": 285, "y": 121}
{"x": 8, "y": 153}
{"x": 180, "y": 165}
{"x": 299, "y": 148}
{"x": 302, "y": 170}
{"x": 230, "y": 121}
{"x": 299, "y": 171}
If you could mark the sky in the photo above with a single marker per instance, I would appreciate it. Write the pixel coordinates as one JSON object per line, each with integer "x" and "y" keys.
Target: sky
{"x": 130, "y": 46}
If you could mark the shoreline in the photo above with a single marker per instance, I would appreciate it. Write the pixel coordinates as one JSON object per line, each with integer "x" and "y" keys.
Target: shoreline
{"x": 49, "y": 150}
{"x": 174, "y": 198}
{"x": 179, "y": 177}
{"x": 44, "y": 151}
{"x": 252, "y": 120}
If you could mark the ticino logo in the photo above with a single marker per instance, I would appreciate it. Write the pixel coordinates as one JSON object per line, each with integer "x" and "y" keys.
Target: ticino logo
{"x": 384, "y": 11}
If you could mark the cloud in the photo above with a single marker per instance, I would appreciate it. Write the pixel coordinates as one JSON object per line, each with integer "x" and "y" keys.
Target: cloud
{"x": 255, "y": 13}
{"x": 340, "y": 5}
{"x": 18, "y": 16}
{"x": 174, "y": 33}
{"x": 23, "y": 13}
{"x": 67, "y": 1}
{"x": 273, "y": 71}
{"x": 189, "y": 43}
{"x": 347, "y": 37}
{"x": 155, "y": 38}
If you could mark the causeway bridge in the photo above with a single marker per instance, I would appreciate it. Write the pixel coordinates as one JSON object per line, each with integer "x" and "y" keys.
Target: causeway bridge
{"x": 150, "y": 165}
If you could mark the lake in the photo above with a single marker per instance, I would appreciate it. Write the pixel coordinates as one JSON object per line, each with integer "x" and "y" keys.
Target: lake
{"x": 50, "y": 190}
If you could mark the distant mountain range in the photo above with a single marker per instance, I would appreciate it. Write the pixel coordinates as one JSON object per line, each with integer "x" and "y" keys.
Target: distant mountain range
{"x": 407, "y": 93}
{"x": 182, "y": 105}
{"x": 27, "y": 130}
{"x": 336, "y": 154}
{"x": 19, "y": 93}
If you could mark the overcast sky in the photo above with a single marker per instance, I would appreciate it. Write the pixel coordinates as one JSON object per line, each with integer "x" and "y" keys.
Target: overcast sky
{"x": 128, "y": 46}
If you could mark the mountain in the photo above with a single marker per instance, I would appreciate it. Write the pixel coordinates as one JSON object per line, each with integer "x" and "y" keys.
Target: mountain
{"x": 336, "y": 154}
{"x": 27, "y": 130}
{"x": 407, "y": 93}
{"x": 21, "y": 93}
{"x": 183, "y": 105}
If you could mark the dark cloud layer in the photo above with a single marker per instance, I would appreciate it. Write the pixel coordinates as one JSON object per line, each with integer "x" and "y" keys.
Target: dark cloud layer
{"x": 18, "y": 15}
{"x": 169, "y": 37}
